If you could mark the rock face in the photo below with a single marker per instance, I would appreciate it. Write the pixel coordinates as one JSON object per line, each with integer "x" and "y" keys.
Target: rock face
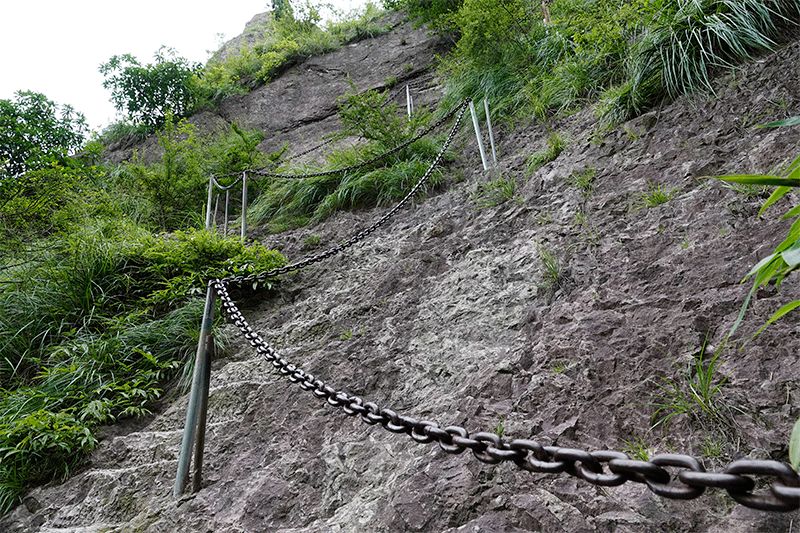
{"x": 446, "y": 314}
{"x": 300, "y": 106}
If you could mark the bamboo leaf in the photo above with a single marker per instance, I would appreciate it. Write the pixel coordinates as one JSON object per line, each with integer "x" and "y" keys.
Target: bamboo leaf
{"x": 794, "y": 446}
{"x": 761, "y": 179}
{"x": 791, "y": 121}
{"x": 777, "y": 315}
{"x": 776, "y": 195}
{"x": 792, "y": 256}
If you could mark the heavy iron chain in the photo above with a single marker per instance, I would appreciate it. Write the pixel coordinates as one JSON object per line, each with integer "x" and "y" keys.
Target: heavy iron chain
{"x": 672, "y": 476}
{"x": 687, "y": 479}
{"x": 256, "y": 279}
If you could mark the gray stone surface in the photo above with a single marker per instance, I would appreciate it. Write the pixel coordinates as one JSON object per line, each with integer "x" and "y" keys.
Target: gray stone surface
{"x": 444, "y": 318}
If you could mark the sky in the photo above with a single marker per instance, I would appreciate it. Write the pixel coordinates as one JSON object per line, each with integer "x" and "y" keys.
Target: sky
{"x": 55, "y": 47}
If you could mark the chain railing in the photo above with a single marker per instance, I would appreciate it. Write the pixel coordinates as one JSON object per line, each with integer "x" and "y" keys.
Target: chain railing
{"x": 765, "y": 485}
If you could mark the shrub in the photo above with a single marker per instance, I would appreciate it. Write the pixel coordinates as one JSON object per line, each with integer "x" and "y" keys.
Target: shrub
{"x": 93, "y": 330}
{"x": 286, "y": 40}
{"x": 147, "y": 94}
{"x": 290, "y": 203}
{"x": 35, "y": 133}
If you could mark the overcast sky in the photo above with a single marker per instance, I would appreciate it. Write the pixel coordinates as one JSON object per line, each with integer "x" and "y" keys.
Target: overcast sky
{"x": 55, "y": 46}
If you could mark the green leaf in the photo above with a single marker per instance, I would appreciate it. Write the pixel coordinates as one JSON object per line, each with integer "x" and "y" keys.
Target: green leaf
{"x": 792, "y": 256}
{"x": 777, "y": 315}
{"x": 776, "y": 195}
{"x": 761, "y": 179}
{"x": 791, "y": 213}
{"x": 794, "y": 446}
{"x": 791, "y": 121}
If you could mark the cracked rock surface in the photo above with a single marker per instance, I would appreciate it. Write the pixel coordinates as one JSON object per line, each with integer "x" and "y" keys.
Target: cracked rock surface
{"x": 448, "y": 313}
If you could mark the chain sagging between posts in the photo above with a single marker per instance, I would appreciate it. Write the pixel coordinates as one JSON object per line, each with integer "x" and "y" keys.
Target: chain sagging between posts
{"x": 758, "y": 484}
{"x": 214, "y": 190}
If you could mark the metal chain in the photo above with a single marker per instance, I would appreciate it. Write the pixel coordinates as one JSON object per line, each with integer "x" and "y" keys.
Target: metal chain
{"x": 241, "y": 281}
{"x": 366, "y": 163}
{"x": 672, "y": 476}
{"x": 235, "y": 182}
{"x": 263, "y": 170}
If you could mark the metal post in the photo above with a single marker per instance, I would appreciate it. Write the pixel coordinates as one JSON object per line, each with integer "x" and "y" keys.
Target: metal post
{"x": 201, "y": 364}
{"x": 216, "y": 207}
{"x": 489, "y": 126}
{"x": 244, "y": 205}
{"x": 208, "y": 203}
{"x": 409, "y": 107}
{"x": 227, "y": 201}
{"x": 478, "y": 135}
{"x": 202, "y": 415}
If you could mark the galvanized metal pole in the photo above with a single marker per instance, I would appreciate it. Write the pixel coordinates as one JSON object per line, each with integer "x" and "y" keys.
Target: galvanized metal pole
{"x": 227, "y": 202}
{"x": 408, "y": 101}
{"x": 478, "y": 134}
{"x": 244, "y": 205}
{"x": 216, "y": 208}
{"x": 489, "y": 126}
{"x": 195, "y": 396}
{"x": 208, "y": 203}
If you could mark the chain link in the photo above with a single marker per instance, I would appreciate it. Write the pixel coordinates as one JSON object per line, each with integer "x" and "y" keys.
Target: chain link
{"x": 671, "y": 476}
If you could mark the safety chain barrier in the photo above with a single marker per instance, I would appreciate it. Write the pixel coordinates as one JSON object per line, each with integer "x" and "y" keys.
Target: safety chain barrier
{"x": 605, "y": 468}
{"x": 671, "y": 476}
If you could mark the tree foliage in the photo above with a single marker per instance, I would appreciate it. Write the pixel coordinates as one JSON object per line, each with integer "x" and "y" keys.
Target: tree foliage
{"x": 35, "y": 133}
{"x": 147, "y": 93}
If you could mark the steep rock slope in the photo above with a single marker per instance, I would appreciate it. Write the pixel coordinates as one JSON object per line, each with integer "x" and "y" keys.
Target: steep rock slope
{"x": 300, "y": 106}
{"x": 443, "y": 315}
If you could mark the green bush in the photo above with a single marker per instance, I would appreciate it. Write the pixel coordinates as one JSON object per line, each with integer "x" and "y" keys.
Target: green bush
{"x": 286, "y": 40}
{"x": 36, "y": 133}
{"x": 93, "y": 329}
{"x": 147, "y": 94}
{"x": 172, "y": 192}
{"x": 291, "y": 203}
{"x": 629, "y": 55}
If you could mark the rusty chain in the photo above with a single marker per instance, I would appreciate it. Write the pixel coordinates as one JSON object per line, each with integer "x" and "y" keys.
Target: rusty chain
{"x": 671, "y": 476}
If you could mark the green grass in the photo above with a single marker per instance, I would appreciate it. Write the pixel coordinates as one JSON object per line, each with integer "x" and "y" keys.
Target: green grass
{"x": 657, "y": 194}
{"x": 637, "y": 448}
{"x": 626, "y": 57}
{"x": 280, "y": 44}
{"x": 553, "y": 276}
{"x": 584, "y": 181}
{"x": 495, "y": 192}
{"x": 285, "y": 204}
{"x": 555, "y": 145}
{"x": 696, "y": 394}
{"x": 93, "y": 330}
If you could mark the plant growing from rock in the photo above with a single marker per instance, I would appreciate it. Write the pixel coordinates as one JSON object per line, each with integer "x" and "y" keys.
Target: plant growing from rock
{"x": 657, "y": 194}
{"x": 495, "y": 192}
{"x": 555, "y": 145}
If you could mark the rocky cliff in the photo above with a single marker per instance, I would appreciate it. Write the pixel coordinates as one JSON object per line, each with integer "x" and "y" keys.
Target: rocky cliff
{"x": 446, "y": 314}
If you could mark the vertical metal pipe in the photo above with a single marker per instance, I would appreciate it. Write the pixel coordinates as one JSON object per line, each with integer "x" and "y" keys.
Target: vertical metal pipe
{"x": 244, "y": 205}
{"x": 192, "y": 410}
{"x": 489, "y": 126}
{"x": 200, "y": 442}
{"x": 478, "y": 134}
{"x": 227, "y": 202}
{"x": 408, "y": 101}
{"x": 216, "y": 207}
{"x": 208, "y": 203}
